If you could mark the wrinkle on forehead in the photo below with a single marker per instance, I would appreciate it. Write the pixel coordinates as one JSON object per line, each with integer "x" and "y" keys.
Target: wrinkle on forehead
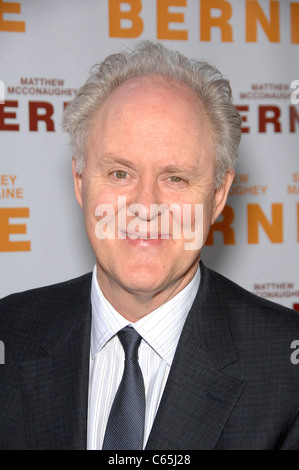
{"x": 155, "y": 93}
{"x": 152, "y": 87}
{"x": 149, "y": 113}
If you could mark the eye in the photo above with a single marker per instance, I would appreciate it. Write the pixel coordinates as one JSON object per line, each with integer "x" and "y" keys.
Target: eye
{"x": 175, "y": 179}
{"x": 120, "y": 174}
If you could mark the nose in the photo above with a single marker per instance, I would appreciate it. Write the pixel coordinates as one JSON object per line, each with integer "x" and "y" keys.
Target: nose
{"x": 145, "y": 196}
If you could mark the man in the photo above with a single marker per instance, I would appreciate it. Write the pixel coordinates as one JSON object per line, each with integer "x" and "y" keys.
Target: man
{"x": 155, "y": 138}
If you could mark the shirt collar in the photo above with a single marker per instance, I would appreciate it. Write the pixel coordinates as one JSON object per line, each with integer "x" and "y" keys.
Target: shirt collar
{"x": 161, "y": 328}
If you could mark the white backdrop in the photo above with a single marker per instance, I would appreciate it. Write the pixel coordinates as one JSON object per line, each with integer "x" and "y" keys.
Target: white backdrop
{"x": 47, "y": 49}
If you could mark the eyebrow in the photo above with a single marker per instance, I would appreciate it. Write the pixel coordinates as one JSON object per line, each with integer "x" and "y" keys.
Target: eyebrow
{"x": 109, "y": 158}
{"x": 189, "y": 170}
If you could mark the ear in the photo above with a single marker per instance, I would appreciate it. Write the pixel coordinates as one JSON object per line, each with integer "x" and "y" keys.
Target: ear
{"x": 77, "y": 183}
{"x": 221, "y": 194}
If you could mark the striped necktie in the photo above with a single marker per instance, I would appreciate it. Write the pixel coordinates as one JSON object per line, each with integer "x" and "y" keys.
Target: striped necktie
{"x": 125, "y": 427}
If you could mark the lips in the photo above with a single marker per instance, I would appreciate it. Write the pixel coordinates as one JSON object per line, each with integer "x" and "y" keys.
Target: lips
{"x": 147, "y": 236}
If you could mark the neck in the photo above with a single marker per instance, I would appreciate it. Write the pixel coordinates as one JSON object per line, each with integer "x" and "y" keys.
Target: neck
{"x": 141, "y": 303}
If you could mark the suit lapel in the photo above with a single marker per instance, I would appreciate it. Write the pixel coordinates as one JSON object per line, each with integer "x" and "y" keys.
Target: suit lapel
{"x": 199, "y": 396}
{"x": 55, "y": 387}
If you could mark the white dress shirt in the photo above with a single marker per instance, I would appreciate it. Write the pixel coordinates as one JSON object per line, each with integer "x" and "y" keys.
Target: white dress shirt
{"x": 160, "y": 331}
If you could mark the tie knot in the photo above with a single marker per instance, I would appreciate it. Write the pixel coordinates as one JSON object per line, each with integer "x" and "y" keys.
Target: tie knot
{"x": 130, "y": 341}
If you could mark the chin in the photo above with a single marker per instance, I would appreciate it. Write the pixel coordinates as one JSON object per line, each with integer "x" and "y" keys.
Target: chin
{"x": 143, "y": 281}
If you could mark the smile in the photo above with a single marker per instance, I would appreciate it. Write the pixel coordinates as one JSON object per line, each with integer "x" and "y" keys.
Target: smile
{"x": 140, "y": 236}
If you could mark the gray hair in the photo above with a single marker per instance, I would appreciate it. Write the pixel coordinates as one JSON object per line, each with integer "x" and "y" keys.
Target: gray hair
{"x": 149, "y": 58}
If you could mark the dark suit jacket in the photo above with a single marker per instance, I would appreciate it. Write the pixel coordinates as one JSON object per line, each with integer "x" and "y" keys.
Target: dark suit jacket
{"x": 232, "y": 384}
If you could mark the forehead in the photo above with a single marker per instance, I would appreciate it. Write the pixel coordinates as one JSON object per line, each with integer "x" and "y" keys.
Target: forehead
{"x": 154, "y": 94}
{"x": 147, "y": 114}
{"x": 154, "y": 85}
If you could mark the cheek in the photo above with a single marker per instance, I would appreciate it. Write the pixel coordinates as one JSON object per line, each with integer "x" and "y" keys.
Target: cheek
{"x": 102, "y": 210}
{"x": 94, "y": 194}
{"x": 203, "y": 216}
{"x": 207, "y": 216}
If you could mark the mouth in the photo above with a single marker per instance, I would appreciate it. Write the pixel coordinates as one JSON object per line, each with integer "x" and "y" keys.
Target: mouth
{"x": 146, "y": 236}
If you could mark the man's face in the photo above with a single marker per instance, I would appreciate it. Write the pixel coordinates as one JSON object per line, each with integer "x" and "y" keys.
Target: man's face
{"x": 150, "y": 144}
